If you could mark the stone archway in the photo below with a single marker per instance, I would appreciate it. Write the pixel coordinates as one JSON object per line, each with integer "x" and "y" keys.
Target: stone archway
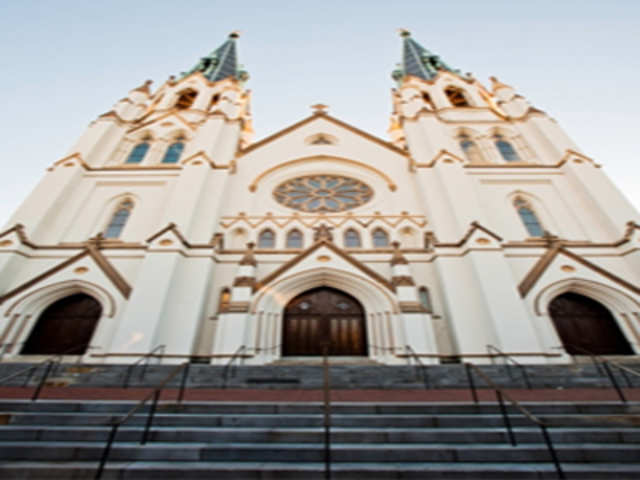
{"x": 585, "y": 325}
{"x": 324, "y": 316}
{"x": 66, "y": 326}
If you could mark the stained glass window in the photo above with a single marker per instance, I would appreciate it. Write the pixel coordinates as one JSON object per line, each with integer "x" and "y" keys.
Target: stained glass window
{"x": 506, "y": 149}
{"x": 173, "y": 153}
{"x": 138, "y": 153}
{"x": 294, "y": 239}
{"x": 352, "y": 239}
{"x": 323, "y": 193}
{"x": 529, "y": 218}
{"x": 266, "y": 239}
{"x": 380, "y": 238}
{"x": 119, "y": 220}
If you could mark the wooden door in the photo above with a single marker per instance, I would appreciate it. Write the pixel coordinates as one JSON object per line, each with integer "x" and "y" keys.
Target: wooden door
{"x": 66, "y": 326}
{"x": 324, "y": 316}
{"x": 583, "y": 323}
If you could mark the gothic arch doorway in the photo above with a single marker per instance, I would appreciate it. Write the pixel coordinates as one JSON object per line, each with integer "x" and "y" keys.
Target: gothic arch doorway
{"x": 585, "y": 324}
{"x": 324, "y": 316}
{"x": 65, "y": 326}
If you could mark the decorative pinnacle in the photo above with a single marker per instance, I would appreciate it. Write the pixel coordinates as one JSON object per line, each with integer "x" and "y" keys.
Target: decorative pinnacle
{"x": 319, "y": 108}
{"x": 235, "y": 34}
{"x": 404, "y": 32}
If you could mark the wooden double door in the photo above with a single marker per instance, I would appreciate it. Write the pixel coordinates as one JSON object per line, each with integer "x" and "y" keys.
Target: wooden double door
{"x": 586, "y": 325}
{"x": 324, "y": 316}
{"x": 65, "y": 326}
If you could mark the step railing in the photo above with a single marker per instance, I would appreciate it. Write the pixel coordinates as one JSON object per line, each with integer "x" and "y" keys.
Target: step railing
{"x": 493, "y": 350}
{"x": 154, "y": 396}
{"x": 50, "y": 364}
{"x": 143, "y": 361}
{"x": 501, "y": 395}
{"x": 606, "y": 365}
{"x": 326, "y": 396}
{"x": 421, "y": 368}
{"x": 228, "y": 368}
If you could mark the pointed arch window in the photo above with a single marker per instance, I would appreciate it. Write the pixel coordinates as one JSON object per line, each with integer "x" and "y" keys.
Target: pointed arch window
{"x": 119, "y": 219}
{"x": 456, "y": 96}
{"x": 352, "y": 239}
{"x": 427, "y": 99}
{"x": 294, "y": 239}
{"x": 174, "y": 151}
{"x": 267, "y": 239}
{"x": 225, "y": 300}
{"x": 425, "y": 299}
{"x": 138, "y": 152}
{"x": 186, "y": 99}
{"x": 505, "y": 148}
{"x": 470, "y": 148}
{"x": 380, "y": 238}
{"x": 528, "y": 217}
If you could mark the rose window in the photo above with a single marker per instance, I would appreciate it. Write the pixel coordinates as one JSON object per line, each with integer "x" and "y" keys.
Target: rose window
{"x": 323, "y": 193}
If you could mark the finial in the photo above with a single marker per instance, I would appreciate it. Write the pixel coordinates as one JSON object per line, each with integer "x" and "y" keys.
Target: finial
{"x": 248, "y": 258}
{"x": 235, "y": 34}
{"x": 322, "y": 233}
{"x": 319, "y": 108}
{"x": 496, "y": 84}
{"x": 404, "y": 32}
{"x": 398, "y": 258}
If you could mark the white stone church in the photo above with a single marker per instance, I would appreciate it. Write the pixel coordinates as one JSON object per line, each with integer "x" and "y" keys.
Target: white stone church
{"x": 166, "y": 227}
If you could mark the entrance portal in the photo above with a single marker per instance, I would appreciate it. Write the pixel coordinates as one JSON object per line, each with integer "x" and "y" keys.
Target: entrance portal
{"x": 324, "y": 316}
{"x": 65, "y": 326}
{"x": 584, "y": 324}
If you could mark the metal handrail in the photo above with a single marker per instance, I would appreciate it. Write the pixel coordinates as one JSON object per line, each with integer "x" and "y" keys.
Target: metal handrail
{"x": 326, "y": 388}
{"x": 419, "y": 365}
{"x": 507, "y": 357}
{"x": 606, "y": 363}
{"x": 229, "y": 365}
{"x": 145, "y": 357}
{"x": 145, "y": 434}
{"x": 501, "y": 395}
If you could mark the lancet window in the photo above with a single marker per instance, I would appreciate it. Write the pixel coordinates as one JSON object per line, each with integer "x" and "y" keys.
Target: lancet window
{"x": 505, "y": 148}
{"x": 470, "y": 148}
{"x": 528, "y": 217}
{"x": 138, "y": 152}
{"x": 267, "y": 239}
{"x": 225, "y": 300}
{"x": 352, "y": 239}
{"x": 456, "y": 96}
{"x": 425, "y": 298}
{"x": 119, "y": 219}
{"x": 294, "y": 239}
{"x": 380, "y": 238}
{"x": 186, "y": 99}
{"x": 174, "y": 151}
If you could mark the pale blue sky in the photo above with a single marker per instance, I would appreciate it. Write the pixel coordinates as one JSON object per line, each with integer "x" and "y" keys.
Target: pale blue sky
{"x": 65, "y": 62}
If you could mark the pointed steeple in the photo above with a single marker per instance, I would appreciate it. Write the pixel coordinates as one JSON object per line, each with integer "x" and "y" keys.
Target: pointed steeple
{"x": 418, "y": 61}
{"x": 221, "y": 63}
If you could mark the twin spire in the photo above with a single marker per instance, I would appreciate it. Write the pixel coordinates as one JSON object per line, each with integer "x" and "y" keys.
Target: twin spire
{"x": 221, "y": 63}
{"x": 417, "y": 61}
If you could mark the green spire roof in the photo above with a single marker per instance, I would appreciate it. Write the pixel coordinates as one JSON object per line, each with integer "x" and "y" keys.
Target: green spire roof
{"x": 418, "y": 61}
{"x": 221, "y": 63}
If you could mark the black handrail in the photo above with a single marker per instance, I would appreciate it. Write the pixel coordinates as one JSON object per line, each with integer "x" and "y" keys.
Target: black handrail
{"x": 326, "y": 388}
{"x": 143, "y": 358}
{"x": 607, "y": 364}
{"x": 500, "y": 396}
{"x": 509, "y": 358}
{"x": 227, "y": 368}
{"x": 420, "y": 367}
{"x": 152, "y": 410}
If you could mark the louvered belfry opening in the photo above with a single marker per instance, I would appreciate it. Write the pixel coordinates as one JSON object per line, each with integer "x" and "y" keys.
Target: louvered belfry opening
{"x": 324, "y": 316}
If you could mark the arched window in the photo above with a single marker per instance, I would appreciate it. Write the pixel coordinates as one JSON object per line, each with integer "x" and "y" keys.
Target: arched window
{"x": 174, "y": 151}
{"x": 456, "y": 97}
{"x": 470, "y": 149}
{"x": 294, "y": 239}
{"x": 528, "y": 217}
{"x": 380, "y": 238}
{"x": 352, "y": 239}
{"x": 119, "y": 219}
{"x": 225, "y": 300}
{"x": 214, "y": 100}
{"x": 138, "y": 152}
{"x": 186, "y": 99}
{"x": 427, "y": 100}
{"x": 425, "y": 298}
{"x": 267, "y": 239}
{"x": 506, "y": 149}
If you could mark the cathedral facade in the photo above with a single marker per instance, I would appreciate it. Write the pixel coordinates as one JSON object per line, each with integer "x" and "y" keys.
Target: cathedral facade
{"x": 479, "y": 226}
